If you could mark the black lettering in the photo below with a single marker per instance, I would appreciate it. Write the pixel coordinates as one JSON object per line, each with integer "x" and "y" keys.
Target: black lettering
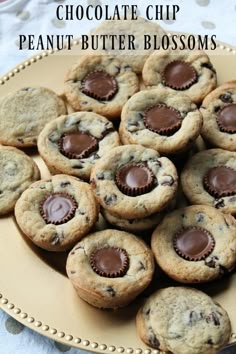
{"x": 175, "y": 45}
{"x": 22, "y": 40}
{"x": 182, "y": 41}
{"x": 213, "y": 46}
{"x": 203, "y": 42}
{"x": 84, "y": 39}
{"x": 147, "y": 12}
{"x": 58, "y": 12}
{"x": 175, "y": 10}
{"x": 147, "y": 40}
{"x": 191, "y": 42}
{"x": 131, "y": 42}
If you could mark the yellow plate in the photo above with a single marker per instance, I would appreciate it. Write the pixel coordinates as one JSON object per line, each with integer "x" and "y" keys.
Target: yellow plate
{"x": 33, "y": 286}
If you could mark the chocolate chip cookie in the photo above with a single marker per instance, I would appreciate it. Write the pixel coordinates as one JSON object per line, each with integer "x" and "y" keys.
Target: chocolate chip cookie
{"x": 133, "y": 225}
{"x": 134, "y": 54}
{"x": 190, "y": 72}
{"x": 72, "y": 144}
{"x": 219, "y": 117}
{"x": 161, "y": 120}
{"x": 24, "y": 113}
{"x": 108, "y": 269}
{"x": 56, "y": 213}
{"x": 209, "y": 178}
{"x": 134, "y": 182}
{"x": 195, "y": 244}
{"x": 183, "y": 321}
{"x": 17, "y": 172}
{"x": 101, "y": 84}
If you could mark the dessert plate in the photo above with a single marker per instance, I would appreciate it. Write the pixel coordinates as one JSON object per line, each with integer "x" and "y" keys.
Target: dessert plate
{"x": 34, "y": 288}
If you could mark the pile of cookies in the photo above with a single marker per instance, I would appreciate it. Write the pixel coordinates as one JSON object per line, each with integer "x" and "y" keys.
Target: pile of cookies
{"x": 166, "y": 102}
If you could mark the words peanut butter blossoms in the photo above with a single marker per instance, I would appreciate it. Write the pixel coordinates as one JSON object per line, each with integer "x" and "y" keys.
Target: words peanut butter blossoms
{"x": 135, "y": 179}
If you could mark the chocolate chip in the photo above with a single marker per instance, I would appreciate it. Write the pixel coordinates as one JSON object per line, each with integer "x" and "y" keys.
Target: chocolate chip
{"x": 1, "y": 192}
{"x": 117, "y": 69}
{"x": 127, "y": 67}
{"x": 141, "y": 266}
{"x": 111, "y": 291}
{"x": 226, "y": 97}
{"x": 20, "y": 140}
{"x": 64, "y": 184}
{"x": 141, "y": 114}
{"x": 199, "y": 217}
{"x": 219, "y": 203}
{"x": 211, "y": 261}
{"x": 78, "y": 248}
{"x": 210, "y": 341}
{"x": 213, "y": 318}
{"x": 169, "y": 181}
{"x": 78, "y": 167}
{"x": 217, "y": 108}
{"x": 208, "y": 66}
{"x": 100, "y": 175}
{"x": 193, "y": 317}
{"x": 110, "y": 199}
{"x": 156, "y": 162}
{"x": 147, "y": 312}
{"x": 152, "y": 339}
{"x": 84, "y": 103}
{"x": 26, "y": 89}
{"x": 55, "y": 240}
{"x": 72, "y": 253}
{"x": 223, "y": 270}
{"x": 72, "y": 272}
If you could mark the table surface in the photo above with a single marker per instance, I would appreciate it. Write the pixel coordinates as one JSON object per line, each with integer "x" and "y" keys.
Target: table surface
{"x": 22, "y": 17}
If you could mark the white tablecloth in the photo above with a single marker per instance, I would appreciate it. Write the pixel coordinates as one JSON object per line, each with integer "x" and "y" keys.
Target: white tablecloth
{"x": 39, "y": 17}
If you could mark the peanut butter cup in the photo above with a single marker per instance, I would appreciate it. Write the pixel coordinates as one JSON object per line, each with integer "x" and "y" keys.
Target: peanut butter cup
{"x": 193, "y": 243}
{"x": 162, "y": 119}
{"x": 179, "y": 75}
{"x": 220, "y": 181}
{"x": 99, "y": 85}
{"x": 226, "y": 118}
{"x": 135, "y": 179}
{"x": 110, "y": 262}
{"x": 77, "y": 145}
{"x": 58, "y": 208}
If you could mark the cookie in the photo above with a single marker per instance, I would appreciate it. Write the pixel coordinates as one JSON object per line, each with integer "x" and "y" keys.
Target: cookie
{"x": 134, "y": 182}
{"x": 161, "y": 120}
{"x": 24, "y": 113}
{"x": 17, "y": 172}
{"x": 195, "y": 244}
{"x": 219, "y": 117}
{"x": 108, "y": 269}
{"x": 72, "y": 144}
{"x": 133, "y": 225}
{"x": 134, "y": 54}
{"x": 56, "y": 213}
{"x": 183, "y": 321}
{"x": 209, "y": 178}
{"x": 189, "y": 72}
{"x": 100, "y": 84}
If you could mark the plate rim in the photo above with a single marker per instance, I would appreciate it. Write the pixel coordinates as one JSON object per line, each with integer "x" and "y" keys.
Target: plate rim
{"x": 35, "y": 324}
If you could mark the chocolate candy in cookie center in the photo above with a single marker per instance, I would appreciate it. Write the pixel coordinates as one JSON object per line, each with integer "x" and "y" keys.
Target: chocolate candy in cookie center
{"x": 226, "y": 118}
{"x": 220, "y": 181}
{"x": 110, "y": 262}
{"x": 100, "y": 85}
{"x": 179, "y": 75}
{"x": 58, "y": 208}
{"x": 193, "y": 243}
{"x": 162, "y": 119}
{"x": 77, "y": 145}
{"x": 135, "y": 179}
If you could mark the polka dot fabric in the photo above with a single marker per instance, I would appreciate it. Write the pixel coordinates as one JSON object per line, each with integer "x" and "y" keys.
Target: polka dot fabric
{"x": 18, "y": 339}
